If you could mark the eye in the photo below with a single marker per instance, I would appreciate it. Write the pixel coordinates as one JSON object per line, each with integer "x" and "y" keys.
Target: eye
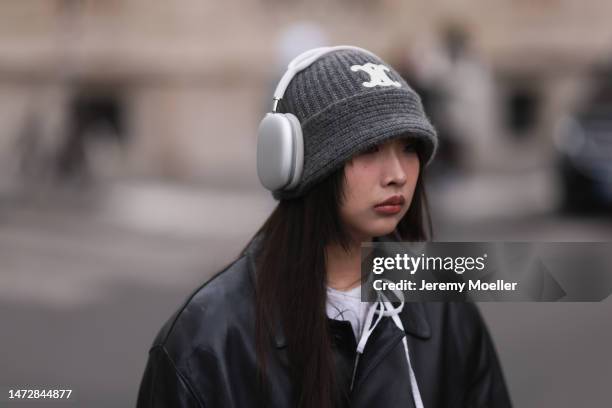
{"x": 410, "y": 146}
{"x": 370, "y": 150}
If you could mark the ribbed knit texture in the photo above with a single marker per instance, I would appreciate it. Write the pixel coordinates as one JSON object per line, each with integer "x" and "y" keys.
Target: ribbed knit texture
{"x": 341, "y": 117}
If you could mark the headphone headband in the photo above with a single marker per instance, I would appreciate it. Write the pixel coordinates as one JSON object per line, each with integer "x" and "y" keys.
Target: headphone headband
{"x": 304, "y": 60}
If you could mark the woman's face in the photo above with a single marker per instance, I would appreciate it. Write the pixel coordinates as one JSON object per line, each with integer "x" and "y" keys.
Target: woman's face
{"x": 388, "y": 171}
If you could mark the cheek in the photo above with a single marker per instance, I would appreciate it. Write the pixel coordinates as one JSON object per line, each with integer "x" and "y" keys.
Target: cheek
{"x": 360, "y": 180}
{"x": 411, "y": 169}
{"x": 357, "y": 191}
{"x": 415, "y": 166}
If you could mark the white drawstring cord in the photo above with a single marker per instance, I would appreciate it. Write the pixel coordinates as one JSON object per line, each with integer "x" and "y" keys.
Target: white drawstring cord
{"x": 365, "y": 335}
{"x": 387, "y": 309}
{"x": 418, "y": 402}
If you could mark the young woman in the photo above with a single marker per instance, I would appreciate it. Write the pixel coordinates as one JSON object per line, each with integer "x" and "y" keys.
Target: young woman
{"x": 283, "y": 324}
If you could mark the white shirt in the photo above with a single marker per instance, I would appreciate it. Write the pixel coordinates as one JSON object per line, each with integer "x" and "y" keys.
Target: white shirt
{"x": 347, "y": 305}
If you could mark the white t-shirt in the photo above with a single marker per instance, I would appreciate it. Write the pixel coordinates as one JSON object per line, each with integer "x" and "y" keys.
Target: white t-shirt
{"x": 347, "y": 305}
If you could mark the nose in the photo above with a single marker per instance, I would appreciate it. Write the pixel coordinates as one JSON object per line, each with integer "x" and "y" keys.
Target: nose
{"x": 393, "y": 169}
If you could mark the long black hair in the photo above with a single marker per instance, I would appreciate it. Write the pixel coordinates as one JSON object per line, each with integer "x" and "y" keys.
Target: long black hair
{"x": 291, "y": 281}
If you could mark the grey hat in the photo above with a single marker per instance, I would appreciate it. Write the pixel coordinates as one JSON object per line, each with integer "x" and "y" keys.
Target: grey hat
{"x": 347, "y": 101}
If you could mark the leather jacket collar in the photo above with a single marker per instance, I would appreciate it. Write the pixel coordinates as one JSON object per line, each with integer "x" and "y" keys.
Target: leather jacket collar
{"x": 413, "y": 315}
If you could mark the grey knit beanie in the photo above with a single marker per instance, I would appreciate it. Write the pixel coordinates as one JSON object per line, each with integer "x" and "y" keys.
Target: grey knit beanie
{"x": 347, "y": 101}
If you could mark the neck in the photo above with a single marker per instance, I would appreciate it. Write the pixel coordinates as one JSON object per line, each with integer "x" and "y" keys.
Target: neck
{"x": 344, "y": 267}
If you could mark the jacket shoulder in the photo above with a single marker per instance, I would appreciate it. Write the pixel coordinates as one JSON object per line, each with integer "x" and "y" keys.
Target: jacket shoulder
{"x": 209, "y": 312}
{"x": 184, "y": 359}
{"x": 462, "y": 333}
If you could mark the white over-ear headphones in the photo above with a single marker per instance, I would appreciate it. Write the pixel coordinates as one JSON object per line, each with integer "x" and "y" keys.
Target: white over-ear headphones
{"x": 280, "y": 144}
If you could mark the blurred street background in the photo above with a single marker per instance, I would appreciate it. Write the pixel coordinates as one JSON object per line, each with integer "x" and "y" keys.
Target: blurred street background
{"x": 127, "y": 166}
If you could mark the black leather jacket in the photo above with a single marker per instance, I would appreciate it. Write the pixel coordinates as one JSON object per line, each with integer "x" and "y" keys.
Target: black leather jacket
{"x": 204, "y": 355}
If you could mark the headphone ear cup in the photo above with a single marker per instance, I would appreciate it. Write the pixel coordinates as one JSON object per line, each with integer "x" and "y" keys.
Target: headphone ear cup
{"x": 279, "y": 140}
{"x": 298, "y": 150}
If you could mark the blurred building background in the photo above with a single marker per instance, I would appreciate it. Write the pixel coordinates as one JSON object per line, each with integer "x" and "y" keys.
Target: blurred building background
{"x": 127, "y": 164}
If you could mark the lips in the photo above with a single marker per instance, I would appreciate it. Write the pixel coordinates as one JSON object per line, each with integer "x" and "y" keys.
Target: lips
{"x": 393, "y": 200}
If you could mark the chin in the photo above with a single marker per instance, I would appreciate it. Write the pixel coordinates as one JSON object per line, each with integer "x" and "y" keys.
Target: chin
{"x": 382, "y": 227}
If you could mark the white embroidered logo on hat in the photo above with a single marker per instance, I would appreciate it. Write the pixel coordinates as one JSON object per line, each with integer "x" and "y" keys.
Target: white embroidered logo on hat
{"x": 378, "y": 75}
